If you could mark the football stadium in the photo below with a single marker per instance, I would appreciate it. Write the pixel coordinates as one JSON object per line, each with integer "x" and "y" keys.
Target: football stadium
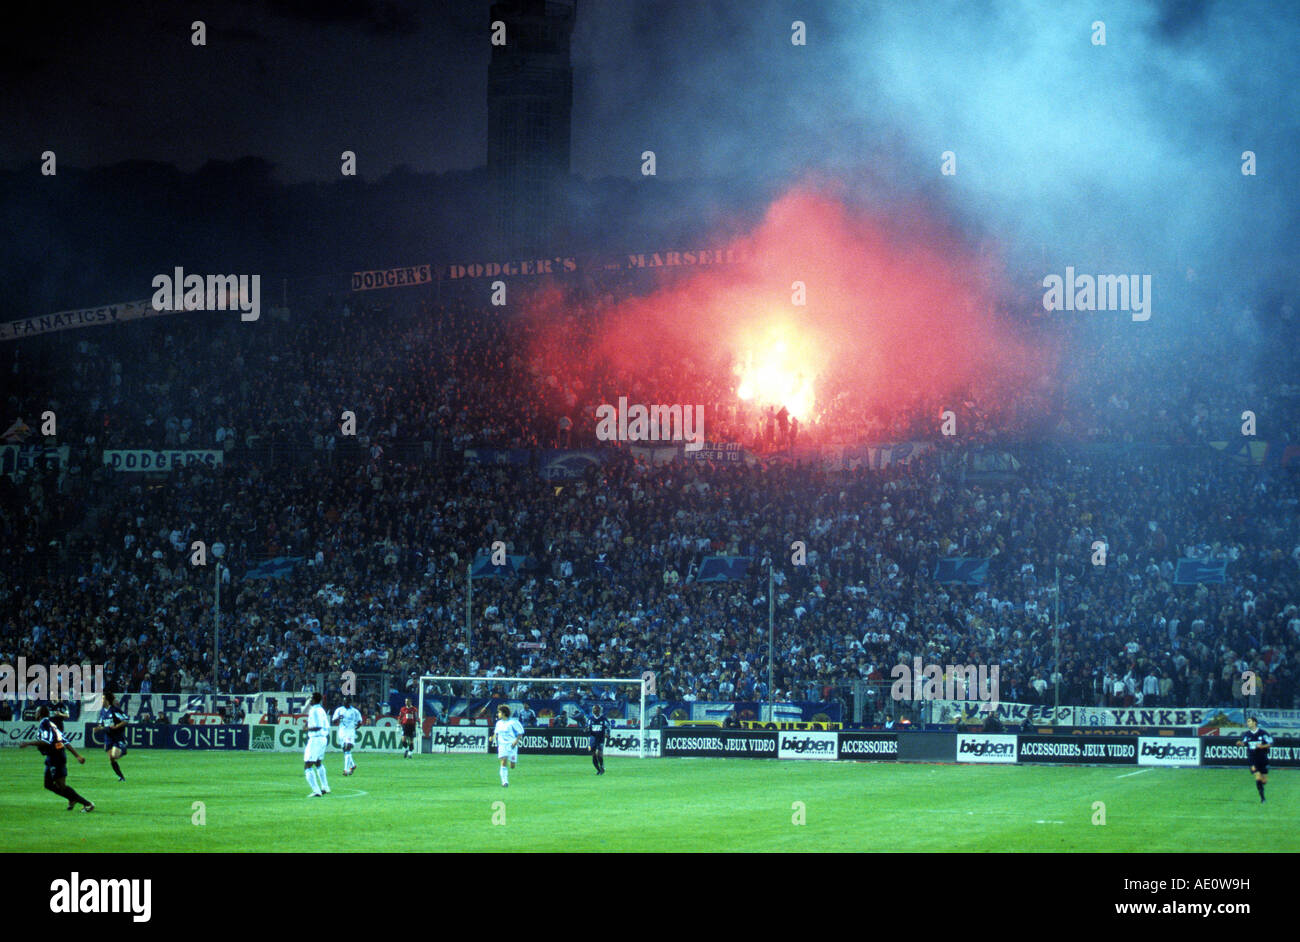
{"x": 651, "y": 427}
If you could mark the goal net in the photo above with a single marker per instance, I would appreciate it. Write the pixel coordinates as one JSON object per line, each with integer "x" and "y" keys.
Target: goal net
{"x": 458, "y": 713}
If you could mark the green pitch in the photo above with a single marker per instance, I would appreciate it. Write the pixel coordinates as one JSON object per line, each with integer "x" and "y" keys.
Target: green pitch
{"x": 257, "y": 802}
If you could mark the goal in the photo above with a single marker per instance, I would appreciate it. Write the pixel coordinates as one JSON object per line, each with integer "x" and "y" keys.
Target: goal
{"x": 472, "y": 701}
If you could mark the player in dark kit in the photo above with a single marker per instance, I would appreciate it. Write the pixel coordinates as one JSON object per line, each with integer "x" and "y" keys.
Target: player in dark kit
{"x": 407, "y": 716}
{"x": 1257, "y": 742}
{"x": 599, "y": 727}
{"x": 112, "y": 723}
{"x": 52, "y": 745}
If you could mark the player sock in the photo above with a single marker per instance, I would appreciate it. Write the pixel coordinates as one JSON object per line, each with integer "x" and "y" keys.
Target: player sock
{"x": 505, "y": 775}
{"x": 324, "y": 782}
{"x": 595, "y": 762}
{"x": 311, "y": 781}
{"x": 1260, "y": 786}
{"x": 117, "y": 768}
{"x": 71, "y": 795}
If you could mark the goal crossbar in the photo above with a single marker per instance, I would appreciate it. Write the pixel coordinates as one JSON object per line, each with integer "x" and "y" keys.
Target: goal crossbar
{"x": 638, "y": 682}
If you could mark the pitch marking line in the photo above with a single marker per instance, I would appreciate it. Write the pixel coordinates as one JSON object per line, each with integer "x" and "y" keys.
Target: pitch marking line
{"x": 1138, "y": 772}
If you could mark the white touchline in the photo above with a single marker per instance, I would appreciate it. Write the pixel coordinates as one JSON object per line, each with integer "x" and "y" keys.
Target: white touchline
{"x": 1138, "y": 772}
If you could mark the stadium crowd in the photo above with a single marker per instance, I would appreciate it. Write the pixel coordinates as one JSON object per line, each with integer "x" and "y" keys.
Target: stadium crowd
{"x": 97, "y": 564}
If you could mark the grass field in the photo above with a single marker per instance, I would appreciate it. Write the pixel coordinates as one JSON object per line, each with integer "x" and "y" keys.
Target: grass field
{"x": 257, "y": 802}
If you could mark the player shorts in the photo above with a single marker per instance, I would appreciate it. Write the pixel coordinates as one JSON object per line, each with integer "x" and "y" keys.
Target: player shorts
{"x": 1259, "y": 763}
{"x": 597, "y": 744}
{"x": 347, "y": 737}
{"x": 315, "y": 750}
{"x": 55, "y": 770}
{"x": 508, "y": 752}
{"x": 115, "y": 744}
{"x": 408, "y": 730}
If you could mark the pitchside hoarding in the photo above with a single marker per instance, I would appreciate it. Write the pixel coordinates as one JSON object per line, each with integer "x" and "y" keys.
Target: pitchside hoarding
{"x": 1169, "y": 750}
{"x": 1285, "y": 753}
{"x": 869, "y": 746}
{"x": 278, "y": 738}
{"x": 988, "y": 747}
{"x": 719, "y": 743}
{"x": 17, "y": 732}
{"x": 1083, "y": 750}
{"x": 141, "y": 736}
{"x": 806, "y": 745}
{"x": 466, "y": 739}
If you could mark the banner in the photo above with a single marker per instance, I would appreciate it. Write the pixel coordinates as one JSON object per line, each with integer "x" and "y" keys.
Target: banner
{"x": 1271, "y": 719}
{"x": 1139, "y": 716}
{"x": 868, "y": 745}
{"x": 277, "y": 738}
{"x": 83, "y": 317}
{"x": 1196, "y": 571}
{"x": 16, "y": 459}
{"x": 1011, "y": 714}
{"x": 1083, "y": 750}
{"x": 143, "y": 736}
{"x": 392, "y": 277}
{"x": 966, "y": 571}
{"x": 852, "y": 457}
{"x": 145, "y": 707}
{"x": 565, "y": 464}
{"x": 1169, "y": 750}
{"x": 468, "y": 739}
{"x": 807, "y": 745}
{"x": 555, "y": 742}
{"x": 627, "y": 742}
{"x": 1283, "y": 753}
{"x": 722, "y": 569}
{"x": 719, "y": 744}
{"x": 722, "y": 452}
{"x": 17, "y": 732}
{"x": 984, "y": 747}
{"x": 556, "y": 265}
{"x": 136, "y": 459}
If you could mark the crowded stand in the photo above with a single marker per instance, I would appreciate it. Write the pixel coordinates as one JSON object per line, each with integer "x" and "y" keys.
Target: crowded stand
{"x": 382, "y": 526}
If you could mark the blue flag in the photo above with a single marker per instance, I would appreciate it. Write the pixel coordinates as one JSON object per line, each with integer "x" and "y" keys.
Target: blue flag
{"x": 965, "y": 570}
{"x": 1196, "y": 571}
{"x": 722, "y": 569}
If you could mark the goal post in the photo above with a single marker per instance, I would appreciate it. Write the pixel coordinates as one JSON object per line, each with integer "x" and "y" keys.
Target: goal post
{"x": 444, "y": 687}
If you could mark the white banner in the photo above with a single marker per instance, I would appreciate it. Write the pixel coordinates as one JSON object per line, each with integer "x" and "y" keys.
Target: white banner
{"x": 1169, "y": 750}
{"x": 627, "y": 742}
{"x": 85, "y": 317}
{"x": 17, "y": 732}
{"x": 16, "y": 459}
{"x": 139, "y": 459}
{"x": 806, "y": 745}
{"x": 974, "y": 747}
{"x": 278, "y": 738}
{"x": 472, "y": 739}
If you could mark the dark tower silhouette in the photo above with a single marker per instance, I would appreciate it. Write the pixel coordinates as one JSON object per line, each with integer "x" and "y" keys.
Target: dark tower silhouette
{"x": 530, "y": 106}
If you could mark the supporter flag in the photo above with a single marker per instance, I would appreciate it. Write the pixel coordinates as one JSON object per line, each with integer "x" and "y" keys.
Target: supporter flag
{"x": 17, "y": 432}
{"x": 276, "y": 568}
{"x": 965, "y": 570}
{"x": 722, "y": 569}
{"x": 484, "y": 569}
{"x": 1194, "y": 571}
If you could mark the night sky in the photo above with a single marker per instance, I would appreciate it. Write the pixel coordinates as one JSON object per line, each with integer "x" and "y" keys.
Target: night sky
{"x": 1128, "y": 153}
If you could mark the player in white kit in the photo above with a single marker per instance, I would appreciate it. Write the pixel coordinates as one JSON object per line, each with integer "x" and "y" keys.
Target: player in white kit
{"x": 348, "y": 718}
{"x": 507, "y": 734}
{"x": 318, "y": 734}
